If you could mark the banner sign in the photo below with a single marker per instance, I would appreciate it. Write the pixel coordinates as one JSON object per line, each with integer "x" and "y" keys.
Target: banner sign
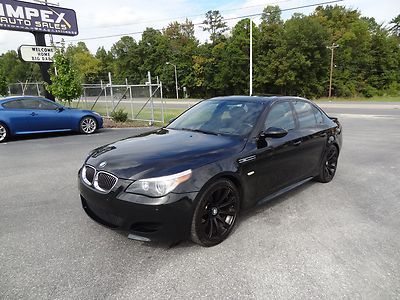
{"x": 36, "y": 53}
{"x": 32, "y": 17}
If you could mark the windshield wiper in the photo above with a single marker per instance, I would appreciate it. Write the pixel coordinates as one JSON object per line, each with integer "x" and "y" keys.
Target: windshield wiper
{"x": 201, "y": 131}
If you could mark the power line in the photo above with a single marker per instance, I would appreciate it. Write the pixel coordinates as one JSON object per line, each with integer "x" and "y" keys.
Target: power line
{"x": 184, "y": 17}
{"x": 227, "y": 19}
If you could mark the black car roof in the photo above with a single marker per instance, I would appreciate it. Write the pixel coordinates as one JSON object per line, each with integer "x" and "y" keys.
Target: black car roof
{"x": 264, "y": 99}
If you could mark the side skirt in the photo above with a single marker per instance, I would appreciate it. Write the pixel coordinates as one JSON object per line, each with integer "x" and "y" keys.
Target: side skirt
{"x": 283, "y": 191}
{"x": 42, "y": 131}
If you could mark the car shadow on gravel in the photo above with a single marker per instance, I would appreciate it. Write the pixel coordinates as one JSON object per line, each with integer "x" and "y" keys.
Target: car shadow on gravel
{"x": 241, "y": 221}
{"x": 39, "y": 136}
{"x": 264, "y": 206}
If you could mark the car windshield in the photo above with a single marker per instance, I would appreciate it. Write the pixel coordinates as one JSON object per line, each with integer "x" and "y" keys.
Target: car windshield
{"x": 230, "y": 117}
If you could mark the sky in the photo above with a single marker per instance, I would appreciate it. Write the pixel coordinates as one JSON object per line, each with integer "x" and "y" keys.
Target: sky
{"x": 105, "y": 17}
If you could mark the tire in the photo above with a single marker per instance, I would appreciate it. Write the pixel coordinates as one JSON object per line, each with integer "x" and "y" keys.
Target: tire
{"x": 215, "y": 214}
{"x": 88, "y": 125}
{"x": 329, "y": 164}
{"x": 4, "y": 132}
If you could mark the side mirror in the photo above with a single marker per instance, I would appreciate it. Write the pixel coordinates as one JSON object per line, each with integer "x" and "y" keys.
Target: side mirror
{"x": 60, "y": 108}
{"x": 274, "y": 132}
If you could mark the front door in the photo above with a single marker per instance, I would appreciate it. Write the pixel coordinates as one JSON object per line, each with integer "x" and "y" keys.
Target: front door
{"x": 277, "y": 160}
{"x": 44, "y": 115}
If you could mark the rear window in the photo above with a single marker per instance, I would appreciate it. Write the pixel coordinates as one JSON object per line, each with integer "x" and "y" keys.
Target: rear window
{"x": 15, "y": 104}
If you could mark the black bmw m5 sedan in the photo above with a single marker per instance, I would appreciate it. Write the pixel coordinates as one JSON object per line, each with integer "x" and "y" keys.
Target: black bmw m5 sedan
{"x": 191, "y": 178}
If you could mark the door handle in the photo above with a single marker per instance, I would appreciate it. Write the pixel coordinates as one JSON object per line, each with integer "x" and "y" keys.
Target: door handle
{"x": 33, "y": 114}
{"x": 297, "y": 143}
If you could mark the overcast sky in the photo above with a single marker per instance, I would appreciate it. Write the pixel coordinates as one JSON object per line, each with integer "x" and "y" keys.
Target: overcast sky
{"x": 105, "y": 17}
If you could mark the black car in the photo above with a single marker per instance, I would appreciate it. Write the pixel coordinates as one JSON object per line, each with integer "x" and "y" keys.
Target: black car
{"x": 191, "y": 178}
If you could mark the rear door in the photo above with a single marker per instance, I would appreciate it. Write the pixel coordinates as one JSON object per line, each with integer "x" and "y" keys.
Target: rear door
{"x": 312, "y": 131}
{"x": 45, "y": 115}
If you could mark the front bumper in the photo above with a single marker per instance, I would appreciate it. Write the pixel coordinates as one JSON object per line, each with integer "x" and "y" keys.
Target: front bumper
{"x": 162, "y": 219}
{"x": 100, "y": 122}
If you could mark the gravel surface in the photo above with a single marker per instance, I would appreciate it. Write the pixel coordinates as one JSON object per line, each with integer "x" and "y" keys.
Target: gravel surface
{"x": 335, "y": 240}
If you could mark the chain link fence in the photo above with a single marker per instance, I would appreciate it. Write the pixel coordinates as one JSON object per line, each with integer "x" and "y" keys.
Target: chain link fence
{"x": 26, "y": 88}
{"x": 142, "y": 102}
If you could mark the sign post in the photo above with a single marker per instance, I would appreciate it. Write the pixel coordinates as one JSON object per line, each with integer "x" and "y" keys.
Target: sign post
{"x": 44, "y": 66}
{"x": 38, "y": 19}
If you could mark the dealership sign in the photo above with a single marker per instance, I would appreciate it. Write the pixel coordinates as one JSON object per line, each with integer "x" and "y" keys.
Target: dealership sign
{"x": 25, "y": 16}
{"x": 36, "y": 53}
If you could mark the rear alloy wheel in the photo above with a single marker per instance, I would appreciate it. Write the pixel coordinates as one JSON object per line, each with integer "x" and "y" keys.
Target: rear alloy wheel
{"x": 88, "y": 125}
{"x": 4, "y": 134}
{"x": 329, "y": 165}
{"x": 216, "y": 213}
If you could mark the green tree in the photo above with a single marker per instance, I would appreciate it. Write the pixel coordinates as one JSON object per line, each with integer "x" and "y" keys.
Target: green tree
{"x": 106, "y": 62}
{"x": 266, "y": 58}
{"x": 66, "y": 83}
{"x": 3, "y": 85}
{"x": 16, "y": 70}
{"x": 215, "y": 25}
{"x": 180, "y": 46}
{"x": 236, "y": 59}
{"x": 353, "y": 58}
{"x": 271, "y": 15}
{"x": 155, "y": 51}
{"x": 395, "y": 26}
{"x": 289, "y": 57}
{"x": 84, "y": 62}
{"x": 126, "y": 60}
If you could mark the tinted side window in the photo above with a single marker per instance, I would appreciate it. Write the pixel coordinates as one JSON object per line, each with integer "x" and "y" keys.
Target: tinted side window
{"x": 318, "y": 116}
{"x": 47, "y": 105}
{"x": 16, "y": 104}
{"x": 281, "y": 116}
{"x": 305, "y": 114}
{"x": 30, "y": 103}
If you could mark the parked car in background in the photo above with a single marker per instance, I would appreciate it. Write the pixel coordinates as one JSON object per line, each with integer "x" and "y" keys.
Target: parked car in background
{"x": 29, "y": 114}
{"x": 223, "y": 155}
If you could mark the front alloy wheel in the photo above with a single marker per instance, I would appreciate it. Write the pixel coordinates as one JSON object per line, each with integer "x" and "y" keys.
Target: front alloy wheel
{"x": 88, "y": 125}
{"x": 216, "y": 213}
{"x": 3, "y": 133}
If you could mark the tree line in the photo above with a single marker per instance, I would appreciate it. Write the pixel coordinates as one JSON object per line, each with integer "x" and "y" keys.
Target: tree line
{"x": 289, "y": 57}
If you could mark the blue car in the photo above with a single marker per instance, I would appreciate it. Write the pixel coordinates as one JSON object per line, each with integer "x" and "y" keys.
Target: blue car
{"x": 27, "y": 114}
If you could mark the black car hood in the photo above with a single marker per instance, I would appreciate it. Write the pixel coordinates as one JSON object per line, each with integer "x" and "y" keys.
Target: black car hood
{"x": 163, "y": 152}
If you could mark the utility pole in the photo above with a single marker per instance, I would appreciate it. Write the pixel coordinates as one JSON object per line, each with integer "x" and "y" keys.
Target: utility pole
{"x": 332, "y": 48}
{"x": 176, "y": 79}
{"x": 251, "y": 57}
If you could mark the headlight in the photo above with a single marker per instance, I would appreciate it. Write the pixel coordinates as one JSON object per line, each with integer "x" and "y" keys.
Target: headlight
{"x": 160, "y": 186}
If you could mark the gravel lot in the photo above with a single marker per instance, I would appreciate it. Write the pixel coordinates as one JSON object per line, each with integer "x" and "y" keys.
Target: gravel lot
{"x": 336, "y": 240}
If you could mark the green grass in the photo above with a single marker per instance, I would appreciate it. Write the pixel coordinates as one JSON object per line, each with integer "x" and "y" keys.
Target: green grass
{"x": 363, "y": 99}
{"x": 145, "y": 114}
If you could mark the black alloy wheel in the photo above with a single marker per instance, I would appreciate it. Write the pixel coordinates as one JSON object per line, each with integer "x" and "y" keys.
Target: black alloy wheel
{"x": 329, "y": 165}
{"x": 216, "y": 213}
